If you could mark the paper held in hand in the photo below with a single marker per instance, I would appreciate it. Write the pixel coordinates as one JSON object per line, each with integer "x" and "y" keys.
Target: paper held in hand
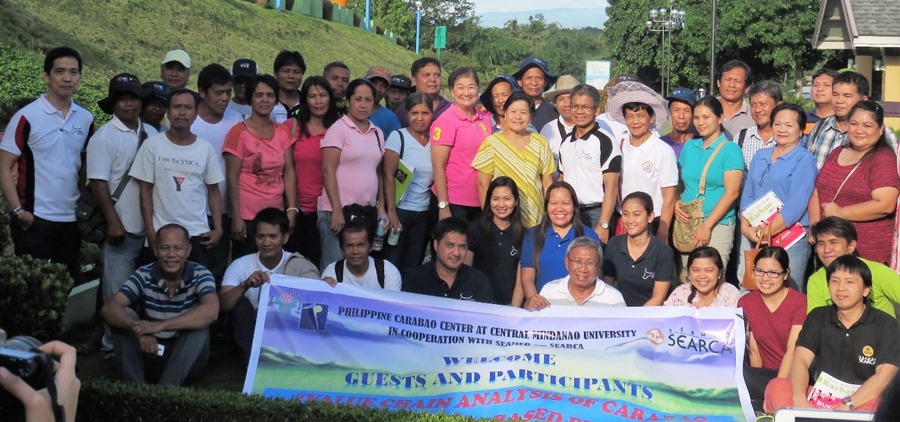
{"x": 828, "y": 391}
{"x": 763, "y": 211}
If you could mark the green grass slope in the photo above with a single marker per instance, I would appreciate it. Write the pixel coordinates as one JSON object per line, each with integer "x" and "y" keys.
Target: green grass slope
{"x": 133, "y": 35}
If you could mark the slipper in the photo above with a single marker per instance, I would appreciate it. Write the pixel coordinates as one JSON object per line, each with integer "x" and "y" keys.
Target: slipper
{"x": 89, "y": 348}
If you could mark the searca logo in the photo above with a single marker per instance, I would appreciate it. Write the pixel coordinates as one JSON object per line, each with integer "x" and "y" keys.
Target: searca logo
{"x": 698, "y": 341}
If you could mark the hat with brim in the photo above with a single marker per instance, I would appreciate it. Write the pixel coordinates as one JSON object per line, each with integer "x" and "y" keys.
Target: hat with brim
{"x": 564, "y": 85}
{"x": 487, "y": 99}
{"x": 402, "y": 82}
{"x": 379, "y": 72}
{"x": 179, "y": 56}
{"x": 123, "y": 83}
{"x": 533, "y": 61}
{"x": 157, "y": 89}
{"x": 635, "y": 92}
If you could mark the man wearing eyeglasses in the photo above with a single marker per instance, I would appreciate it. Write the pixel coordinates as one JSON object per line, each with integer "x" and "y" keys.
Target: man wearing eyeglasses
{"x": 582, "y": 287}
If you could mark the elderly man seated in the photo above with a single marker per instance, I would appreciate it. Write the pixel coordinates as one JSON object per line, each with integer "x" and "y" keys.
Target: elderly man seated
{"x": 161, "y": 316}
{"x": 582, "y": 287}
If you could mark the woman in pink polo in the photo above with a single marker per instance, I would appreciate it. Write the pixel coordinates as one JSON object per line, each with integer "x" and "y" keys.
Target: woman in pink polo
{"x": 351, "y": 160}
{"x": 455, "y": 138}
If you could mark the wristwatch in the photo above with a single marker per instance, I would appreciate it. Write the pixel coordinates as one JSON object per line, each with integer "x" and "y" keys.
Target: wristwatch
{"x": 14, "y": 213}
{"x": 847, "y": 401}
{"x": 443, "y": 204}
{"x": 604, "y": 226}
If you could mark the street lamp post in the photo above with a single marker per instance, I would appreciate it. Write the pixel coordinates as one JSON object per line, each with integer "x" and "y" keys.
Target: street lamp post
{"x": 665, "y": 21}
{"x": 418, "y": 23}
{"x": 712, "y": 51}
{"x": 367, "y": 15}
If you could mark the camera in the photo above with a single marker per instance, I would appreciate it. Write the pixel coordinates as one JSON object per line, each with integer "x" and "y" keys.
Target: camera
{"x": 21, "y": 356}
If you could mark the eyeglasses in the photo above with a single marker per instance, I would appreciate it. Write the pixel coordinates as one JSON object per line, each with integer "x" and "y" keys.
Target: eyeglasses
{"x": 582, "y": 264}
{"x": 771, "y": 274}
{"x": 583, "y": 108}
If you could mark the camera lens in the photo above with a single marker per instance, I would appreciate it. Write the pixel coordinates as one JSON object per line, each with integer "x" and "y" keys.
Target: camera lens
{"x": 24, "y": 343}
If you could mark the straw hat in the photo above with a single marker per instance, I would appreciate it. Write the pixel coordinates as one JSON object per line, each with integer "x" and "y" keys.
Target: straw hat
{"x": 635, "y": 92}
{"x": 564, "y": 85}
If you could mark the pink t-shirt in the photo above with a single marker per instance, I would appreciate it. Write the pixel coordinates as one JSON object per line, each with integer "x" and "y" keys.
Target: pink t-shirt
{"x": 463, "y": 136}
{"x": 772, "y": 329}
{"x": 357, "y": 169}
{"x": 260, "y": 184}
{"x": 879, "y": 170}
{"x": 308, "y": 166}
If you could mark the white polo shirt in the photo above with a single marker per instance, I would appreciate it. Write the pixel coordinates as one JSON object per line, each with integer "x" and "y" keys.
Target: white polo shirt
{"x": 109, "y": 156}
{"x": 583, "y": 162}
{"x": 49, "y": 147}
{"x": 648, "y": 168}
{"x": 555, "y": 131}
{"x": 557, "y": 293}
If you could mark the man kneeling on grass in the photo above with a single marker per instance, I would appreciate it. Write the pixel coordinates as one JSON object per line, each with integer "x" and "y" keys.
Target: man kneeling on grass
{"x": 847, "y": 347}
{"x": 161, "y": 316}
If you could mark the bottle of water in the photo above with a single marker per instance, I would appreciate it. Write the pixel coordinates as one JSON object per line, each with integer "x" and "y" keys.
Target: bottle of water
{"x": 379, "y": 233}
{"x": 394, "y": 236}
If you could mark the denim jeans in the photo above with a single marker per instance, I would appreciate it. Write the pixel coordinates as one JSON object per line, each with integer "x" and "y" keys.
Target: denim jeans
{"x": 331, "y": 245}
{"x": 119, "y": 262}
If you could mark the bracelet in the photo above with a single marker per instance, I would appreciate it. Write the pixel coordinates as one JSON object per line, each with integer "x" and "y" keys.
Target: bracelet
{"x": 297, "y": 210}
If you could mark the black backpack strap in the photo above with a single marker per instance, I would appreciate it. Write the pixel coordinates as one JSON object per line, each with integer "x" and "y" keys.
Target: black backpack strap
{"x": 379, "y": 271}
{"x": 742, "y": 135}
{"x": 402, "y": 142}
{"x": 339, "y": 271}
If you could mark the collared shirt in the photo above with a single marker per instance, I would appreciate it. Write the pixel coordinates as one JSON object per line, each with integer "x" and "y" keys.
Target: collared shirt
{"x": 649, "y": 168}
{"x": 884, "y": 294}
{"x": 48, "y": 146}
{"x": 464, "y": 136}
{"x": 281, "y": 111}
{"x": 497, "y": 256}
{"x": 693, "y": 159}
{"x": 825, "y": 137}
{"x": 555, "y": 132}
{"x": 727, "y": 296}
{"x": 109, "y": 157}
{"x": 792, "y": 177}
{"x": 442, "y": 106}
{"x": 147, "y": 289}
{"x": 849, "y": 354}
{"x": 552, "y": 257}
{"x": 740, "y": 120}
{"x": 636, "y": 278}
{"x": 557, "y": 293}
{"x": 357, "y": 169}
{"x": 752, "y": 142}
{"x": 470, "y": 284}
{"x": 583, "y": 162}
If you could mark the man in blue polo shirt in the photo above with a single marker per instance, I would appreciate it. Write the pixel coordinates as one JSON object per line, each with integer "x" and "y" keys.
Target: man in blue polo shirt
{"x": 47, "y": 139}
{"x": 168, "y": 337}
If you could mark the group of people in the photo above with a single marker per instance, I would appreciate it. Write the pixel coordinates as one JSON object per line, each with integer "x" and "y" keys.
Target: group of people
{"x": 529, "y": 193}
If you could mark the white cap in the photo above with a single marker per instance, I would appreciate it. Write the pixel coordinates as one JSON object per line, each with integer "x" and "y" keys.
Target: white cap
{"x": 179, "y": 56}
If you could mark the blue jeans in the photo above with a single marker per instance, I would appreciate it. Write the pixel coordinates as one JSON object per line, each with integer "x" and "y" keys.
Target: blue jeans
{"x": 119, "y": 262}
{"x": 410, "y": 249}
{"x": 798, "y": 255}
{"x": 331, "y": 245}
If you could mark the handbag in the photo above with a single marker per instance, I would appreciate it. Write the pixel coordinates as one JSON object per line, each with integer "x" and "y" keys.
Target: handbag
{"x": 748, "y": 282}
{"x": 682, "y": 233}
{"x": 89, "y": 216}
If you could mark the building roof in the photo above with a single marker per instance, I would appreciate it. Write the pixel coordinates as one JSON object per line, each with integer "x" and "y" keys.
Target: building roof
{"x": 850, "y": 24}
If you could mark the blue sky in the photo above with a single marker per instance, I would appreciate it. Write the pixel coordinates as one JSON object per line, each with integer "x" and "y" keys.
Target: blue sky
{"x": 484, "y": 6}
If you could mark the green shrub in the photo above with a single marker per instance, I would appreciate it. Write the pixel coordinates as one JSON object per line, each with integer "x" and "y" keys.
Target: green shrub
{"x": 134, "y": 402}
{"x": 33, "y": 296}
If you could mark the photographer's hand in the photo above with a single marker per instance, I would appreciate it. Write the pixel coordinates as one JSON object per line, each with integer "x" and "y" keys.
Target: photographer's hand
{"x": 37, "y": 403}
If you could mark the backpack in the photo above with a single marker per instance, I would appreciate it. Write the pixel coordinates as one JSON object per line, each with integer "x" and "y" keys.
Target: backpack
{"x": 742, "y": 136}
{"x": 379, "y": 271}
{"x": 298, "y": 265}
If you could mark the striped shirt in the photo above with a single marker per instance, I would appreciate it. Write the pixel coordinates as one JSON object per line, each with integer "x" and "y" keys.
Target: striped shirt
{"x": 825, "y": 137}
{"x": 147, "y": 289}
{"x": 527, "y": 167}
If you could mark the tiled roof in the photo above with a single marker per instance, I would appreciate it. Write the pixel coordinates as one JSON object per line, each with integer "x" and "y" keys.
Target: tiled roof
{"x": 876, "y": 17}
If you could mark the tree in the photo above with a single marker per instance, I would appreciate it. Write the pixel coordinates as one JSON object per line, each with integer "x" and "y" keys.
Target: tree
{"x": 399, "y": 16}
{"x": 772, "y": 37}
